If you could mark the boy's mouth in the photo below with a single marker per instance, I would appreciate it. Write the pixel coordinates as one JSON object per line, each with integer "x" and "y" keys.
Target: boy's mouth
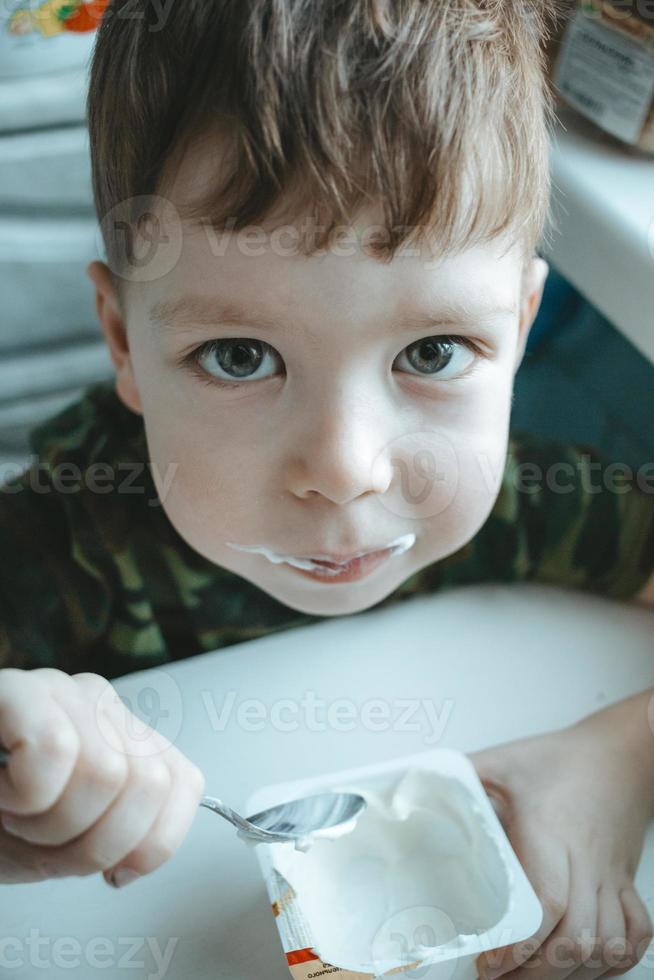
{"x": 337, "y": 573}
{"x": 328, "y": 563}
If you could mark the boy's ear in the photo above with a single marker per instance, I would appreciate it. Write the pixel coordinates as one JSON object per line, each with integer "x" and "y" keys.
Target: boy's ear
{"x": 114, "y": 328}
{"x": 534, "y": 279}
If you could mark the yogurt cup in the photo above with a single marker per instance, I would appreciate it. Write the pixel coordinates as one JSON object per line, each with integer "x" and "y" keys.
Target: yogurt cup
{"x": 425, "y": 881}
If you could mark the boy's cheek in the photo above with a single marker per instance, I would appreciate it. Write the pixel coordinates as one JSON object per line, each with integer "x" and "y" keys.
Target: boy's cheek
{"x": 480, "y": 469}
{"x": 472, "y": 504}
{"x": 206, "y": 515}
{"x": 210, "y": 483}
{"x": 202, "y": 492}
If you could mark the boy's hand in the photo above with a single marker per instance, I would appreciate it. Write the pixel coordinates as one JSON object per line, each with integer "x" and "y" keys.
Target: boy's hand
{"x": 575, "y": 805}
{"x": 74, "y": 801}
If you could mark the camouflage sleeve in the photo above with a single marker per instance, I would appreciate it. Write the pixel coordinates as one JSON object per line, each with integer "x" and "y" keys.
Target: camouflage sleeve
{"x": 565, "y": 515}
{"x": 60, "y": 604}
{"x": 33, "y": 631}
{"x": 83, "y": 585}
{"x": 45, "y": 600}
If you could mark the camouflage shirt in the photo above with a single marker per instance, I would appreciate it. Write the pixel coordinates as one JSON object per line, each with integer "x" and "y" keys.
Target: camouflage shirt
{"x": 94, "y": 577}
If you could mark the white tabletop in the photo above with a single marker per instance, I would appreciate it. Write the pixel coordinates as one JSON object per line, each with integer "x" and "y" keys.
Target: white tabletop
{"x": 495, "y": 663}
{"x": 603, "y": 201}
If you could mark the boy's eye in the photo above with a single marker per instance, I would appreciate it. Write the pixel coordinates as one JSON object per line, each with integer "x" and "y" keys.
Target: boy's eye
{"x": 241, "y": 359}
{"x": 441, "y": 357}
{"x": 233, "y": 360}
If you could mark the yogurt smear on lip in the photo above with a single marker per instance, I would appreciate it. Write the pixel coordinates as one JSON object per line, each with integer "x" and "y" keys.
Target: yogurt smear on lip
{"x": 398, "y": 547}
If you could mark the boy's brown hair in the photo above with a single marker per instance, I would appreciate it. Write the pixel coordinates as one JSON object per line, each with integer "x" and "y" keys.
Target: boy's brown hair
{"x": 331, "y": 105}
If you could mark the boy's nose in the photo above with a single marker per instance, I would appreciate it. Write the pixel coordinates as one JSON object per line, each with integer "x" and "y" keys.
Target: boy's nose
{"x": 341, "y": 457}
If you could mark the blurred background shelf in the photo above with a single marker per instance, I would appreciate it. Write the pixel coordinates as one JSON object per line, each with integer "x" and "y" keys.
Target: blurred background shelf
{"x": 603, "y": 202}
{"x": 587, "y": 375}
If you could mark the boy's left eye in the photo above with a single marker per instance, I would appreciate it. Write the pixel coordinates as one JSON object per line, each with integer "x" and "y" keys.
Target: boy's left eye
{"x": 441, "y": 357}
{"x": 239, "y": 359}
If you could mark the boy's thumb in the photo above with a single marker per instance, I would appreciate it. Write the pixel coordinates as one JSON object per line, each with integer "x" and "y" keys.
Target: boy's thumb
{"x": 493, "y": 770}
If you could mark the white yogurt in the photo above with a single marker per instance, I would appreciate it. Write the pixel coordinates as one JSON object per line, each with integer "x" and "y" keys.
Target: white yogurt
{"x": 426, "y": 877}
{"x": 418, "y": 870}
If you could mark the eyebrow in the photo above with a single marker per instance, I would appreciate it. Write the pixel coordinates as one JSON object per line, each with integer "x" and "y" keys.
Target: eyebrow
{"x": 186, "y": 313}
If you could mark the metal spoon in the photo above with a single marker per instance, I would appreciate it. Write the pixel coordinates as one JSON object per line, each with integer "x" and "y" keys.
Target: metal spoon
{"x": 295, "y": 821}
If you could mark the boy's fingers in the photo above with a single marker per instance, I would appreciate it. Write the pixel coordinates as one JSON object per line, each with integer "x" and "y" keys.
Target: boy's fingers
{"x": 123, "y": 824}
{"x": 129, "y": 819}
{"x": 611, "y": 930}
{"x": 21, "y": 862}
{"x": 571, "y": 944}
{"x": 638, "y": 930}
{"x": 110, "y": 838}
{"x": 173, "y": 822}
{"x": 546, "y": 863}
{"x": 98, "y": 777}
{"x": 575, "y": 944}
{"x": 178, "y": 812}
{"x": 42, "y": 742}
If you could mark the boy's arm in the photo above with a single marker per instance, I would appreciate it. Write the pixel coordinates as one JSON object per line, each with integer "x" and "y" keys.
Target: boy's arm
{"x": 576, "y": 804}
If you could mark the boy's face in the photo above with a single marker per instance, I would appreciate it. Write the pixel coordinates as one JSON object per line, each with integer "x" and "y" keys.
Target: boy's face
{"x": 343, "y": 428}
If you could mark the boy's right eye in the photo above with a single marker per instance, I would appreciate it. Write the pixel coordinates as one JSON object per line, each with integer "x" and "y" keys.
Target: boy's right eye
{"x": 235, "y": 359}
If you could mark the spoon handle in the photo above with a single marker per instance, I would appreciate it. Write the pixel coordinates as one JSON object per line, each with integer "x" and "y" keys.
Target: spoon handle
{"x": 213, "y": 803}
{"x": 249, "y": 829}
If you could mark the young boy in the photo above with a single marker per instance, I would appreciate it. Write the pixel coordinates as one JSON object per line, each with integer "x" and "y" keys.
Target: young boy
{"x": 320, "y": 221}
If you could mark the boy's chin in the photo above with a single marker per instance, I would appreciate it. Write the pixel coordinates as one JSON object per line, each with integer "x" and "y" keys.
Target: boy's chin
{"x": 343, "y": 600}
{"x": 322, "y": 598}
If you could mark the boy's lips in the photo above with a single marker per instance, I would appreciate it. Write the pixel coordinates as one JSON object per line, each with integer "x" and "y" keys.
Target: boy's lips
{"x": 397, "y": 546}
{"x": 342, "y": 559}
{"x": 352, "y": 571}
